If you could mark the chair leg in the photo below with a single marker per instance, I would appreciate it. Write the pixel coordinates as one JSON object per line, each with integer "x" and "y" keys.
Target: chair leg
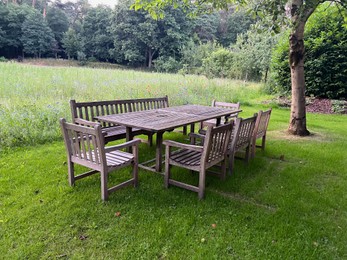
{"x": 263, "y": 143}
{"x": 231, "y": 163}
{"x": 247, "y": 155}
{"x": 202, "y": 183}
{"x": 71, "y": 170}
{"x": 223, "y": 170}
{"x": 135, "y": 173}
{"x": 254, "y": 143}
{"x": 104, "y": 191}
{"x": 167, "y": 167}
{"x": 167, "y": 174}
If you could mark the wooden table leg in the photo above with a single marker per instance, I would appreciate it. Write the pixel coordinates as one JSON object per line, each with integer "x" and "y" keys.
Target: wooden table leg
{"x": 129, "y": 137}
{"x": 158, "y": 154}
{"x": 218, "y": 121}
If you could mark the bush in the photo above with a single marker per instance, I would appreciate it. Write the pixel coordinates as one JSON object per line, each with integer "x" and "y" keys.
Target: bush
{"x": 218, "y": 64}
{"x": 326, "y": 56}
{"x": 166, "y": 64}
{"x": 3, "y": 59}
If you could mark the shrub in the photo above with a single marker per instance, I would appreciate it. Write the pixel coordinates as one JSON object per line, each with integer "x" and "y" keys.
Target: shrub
{"x": 3, "y": 59}
{"x": 166, "y": 64}
{"x": 326, "y": 56}
{"x": 219, "y": 63}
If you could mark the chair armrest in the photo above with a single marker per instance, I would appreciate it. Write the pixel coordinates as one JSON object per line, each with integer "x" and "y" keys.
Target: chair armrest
{"x": 84, "y": 122}
{"x": 194, "y": 136}
{"x": 134, "y": 142}
{"x": 184, "y": 146}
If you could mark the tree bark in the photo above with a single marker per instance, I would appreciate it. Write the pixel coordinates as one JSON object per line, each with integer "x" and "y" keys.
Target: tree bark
{"x": 299, "y": 16}
{"x": 297, "y": 124}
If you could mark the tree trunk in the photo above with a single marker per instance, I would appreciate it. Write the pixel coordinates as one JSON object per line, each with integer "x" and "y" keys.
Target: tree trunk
{"x": 150, "y": 56}
{"x": 297, "y": 123}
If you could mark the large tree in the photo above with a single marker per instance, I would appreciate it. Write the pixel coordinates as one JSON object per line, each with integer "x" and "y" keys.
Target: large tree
{"x": 37, "y": 37}
{"x": 294, "y": 12}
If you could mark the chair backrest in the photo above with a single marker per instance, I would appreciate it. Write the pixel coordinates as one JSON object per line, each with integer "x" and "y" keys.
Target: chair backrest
{"x": 262, "y": 123}
{"x": 216, "y": 143}
{"x": 232, "y": 106}
{"x": 243, "y": 133}
{"x": 84, "y": 145}
{"x": 89, "y": 110}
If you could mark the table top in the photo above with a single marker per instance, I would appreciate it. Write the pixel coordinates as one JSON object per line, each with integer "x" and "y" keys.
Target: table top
{"x": 167, "y": 118}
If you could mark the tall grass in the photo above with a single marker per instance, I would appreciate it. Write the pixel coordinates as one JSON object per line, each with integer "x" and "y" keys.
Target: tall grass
{"x": 33, "y": 98}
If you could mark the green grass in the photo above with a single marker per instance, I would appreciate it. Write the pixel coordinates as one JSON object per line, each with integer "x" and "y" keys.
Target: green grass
{"x": 33, "y": 98}
{"x": 290, "y": 202}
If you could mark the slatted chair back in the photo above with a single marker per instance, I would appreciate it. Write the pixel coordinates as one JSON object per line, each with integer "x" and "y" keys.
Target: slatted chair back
{"x": 213, "y": 122}
{"x": 262, "y": 123}
{"x": 245, "y": 132}
{"x": 260, "y": 129}
{"x": 231, "y": 106}
{"x": 216, "y": 144}
{"x": 241, "y": 138}
{"x": 89, "y": 110}
{"x": 85, "y": 145}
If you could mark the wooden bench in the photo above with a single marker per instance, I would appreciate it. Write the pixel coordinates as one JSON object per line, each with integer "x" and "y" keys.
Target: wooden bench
{"x": 85, "y": 112}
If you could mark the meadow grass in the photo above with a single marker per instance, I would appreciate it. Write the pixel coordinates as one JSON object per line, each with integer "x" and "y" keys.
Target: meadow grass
{"x": 33, "y": 98}
{"x": 290, "y": 202}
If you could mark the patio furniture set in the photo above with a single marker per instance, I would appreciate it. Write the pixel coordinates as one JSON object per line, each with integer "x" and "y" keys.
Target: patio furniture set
{"x": 221, "y": 134}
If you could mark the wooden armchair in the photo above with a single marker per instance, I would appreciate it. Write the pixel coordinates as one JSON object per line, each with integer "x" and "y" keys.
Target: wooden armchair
{"x": 231, "y": 106}
{"x": 198, "y": 158}
{"x": 241, "y": 139}
{"x": 260, "y": 130}
{"x": 85, "y": 145}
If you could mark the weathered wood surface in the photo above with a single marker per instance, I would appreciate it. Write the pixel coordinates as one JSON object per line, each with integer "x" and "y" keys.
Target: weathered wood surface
{"x": 232, "y": 106}
{"x": 90, "y": 110}
{"x": 241, "y": 139}
{"x": 260, "y": 129}
{"x": 161, "y": 120}
{"x": 85, "y": 146}
{"x": 166, "y": 118}
{"x": 198, "y": 158}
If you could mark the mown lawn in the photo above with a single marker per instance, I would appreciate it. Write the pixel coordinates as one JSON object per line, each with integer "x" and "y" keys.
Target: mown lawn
{"x": 290, "y": 202}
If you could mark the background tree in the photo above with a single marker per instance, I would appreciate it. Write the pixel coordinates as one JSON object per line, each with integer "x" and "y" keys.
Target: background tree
{"x": 58, "y": 22}
{"x": 294, "y": 12}
{"x": 72, "y": 43}
{"x": 98, "y": 40}
{"x": 326, "y": 55}
{"x": 12, "y": 17}
{"x": 37, "y": 37}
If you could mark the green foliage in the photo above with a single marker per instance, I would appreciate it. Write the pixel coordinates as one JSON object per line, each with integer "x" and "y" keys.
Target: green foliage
{"x": 139, "y": 39}
{"x": 58, "y": 22}
{"x": 233, "y": 23}
{"x": 326, "y": 56}
{"x": 12, "y": 17}
{"x": 167, "y": 64}
{"x": 95, "y": 33}
{"x": 3, "y": 59}
{"x": 219, "y": 63}
{"x": 252, "y": 55}
{"x": 37, "y": 37}
{"x": 193, "y": 55}
{"x": 72, "y": 43}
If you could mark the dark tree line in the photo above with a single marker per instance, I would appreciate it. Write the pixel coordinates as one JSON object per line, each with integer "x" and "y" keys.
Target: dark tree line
{"x": 43, "y": 28}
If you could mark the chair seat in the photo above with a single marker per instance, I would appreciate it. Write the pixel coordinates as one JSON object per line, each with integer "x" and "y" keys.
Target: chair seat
{"x": 114, "y": 158}
{"x": 186, "y": 157}
{"x": 119, "y": 131}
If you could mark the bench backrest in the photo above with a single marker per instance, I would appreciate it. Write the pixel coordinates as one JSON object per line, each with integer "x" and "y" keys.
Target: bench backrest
{"x": 89, "y": 110}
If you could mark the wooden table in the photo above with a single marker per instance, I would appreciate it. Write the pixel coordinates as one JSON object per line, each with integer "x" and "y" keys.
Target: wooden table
{"x": 160, "y": 120}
